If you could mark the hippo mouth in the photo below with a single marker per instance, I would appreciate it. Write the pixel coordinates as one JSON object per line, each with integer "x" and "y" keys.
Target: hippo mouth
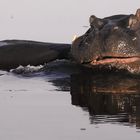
{"x": 114, "y": 60}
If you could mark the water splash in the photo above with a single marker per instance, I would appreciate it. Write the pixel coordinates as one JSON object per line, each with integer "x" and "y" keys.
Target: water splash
{"x": 27, "y": 69}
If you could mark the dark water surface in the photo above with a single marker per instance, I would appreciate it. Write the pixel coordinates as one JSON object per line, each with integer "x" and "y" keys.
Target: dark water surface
{"x": 65, "y": 102}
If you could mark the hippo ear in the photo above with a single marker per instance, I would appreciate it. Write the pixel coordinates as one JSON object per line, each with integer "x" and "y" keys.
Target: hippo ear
{"x": 138, "y": 14}
{"x": 95, "y": 22}
{"x": 92, "y": 19}
{"x": 132, "y": 21}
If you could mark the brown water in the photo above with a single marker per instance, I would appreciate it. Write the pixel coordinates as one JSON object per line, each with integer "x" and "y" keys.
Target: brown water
{"x": 64, "y": 102}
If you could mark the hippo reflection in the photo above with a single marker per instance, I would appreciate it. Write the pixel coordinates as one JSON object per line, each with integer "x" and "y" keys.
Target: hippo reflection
{"x": 111, "y": 42}
{"x": 108, "y": 98}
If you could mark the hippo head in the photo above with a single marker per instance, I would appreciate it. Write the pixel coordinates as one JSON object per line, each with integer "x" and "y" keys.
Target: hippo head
{"x": 111, "y": 42}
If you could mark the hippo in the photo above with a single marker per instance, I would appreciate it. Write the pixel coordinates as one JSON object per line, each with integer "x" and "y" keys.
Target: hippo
{"x": 110, "y": 43}
{"x": 14, "y": 53}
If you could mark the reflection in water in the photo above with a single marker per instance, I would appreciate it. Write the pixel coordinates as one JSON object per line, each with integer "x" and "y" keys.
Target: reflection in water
{"x": 108, "y": 98}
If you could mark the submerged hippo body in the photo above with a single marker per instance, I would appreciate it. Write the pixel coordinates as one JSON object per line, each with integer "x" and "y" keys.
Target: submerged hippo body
{"x": 111, "y": 42}
{"x": 19, "y": 52}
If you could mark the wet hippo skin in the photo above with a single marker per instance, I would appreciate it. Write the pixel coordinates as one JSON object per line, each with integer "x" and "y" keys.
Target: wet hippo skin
{"x": 110, "y": 42}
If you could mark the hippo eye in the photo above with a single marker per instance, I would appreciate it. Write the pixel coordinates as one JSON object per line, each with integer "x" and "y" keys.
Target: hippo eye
{"x": 116, "y": 28}
{"x": 135, "y": 38}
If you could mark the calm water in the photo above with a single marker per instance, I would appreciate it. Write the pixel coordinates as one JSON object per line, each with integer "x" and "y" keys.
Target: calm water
{"x": 65, "y": 102}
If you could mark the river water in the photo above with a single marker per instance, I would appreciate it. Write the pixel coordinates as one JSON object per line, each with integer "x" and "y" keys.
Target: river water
{"x": 65, "y": 102}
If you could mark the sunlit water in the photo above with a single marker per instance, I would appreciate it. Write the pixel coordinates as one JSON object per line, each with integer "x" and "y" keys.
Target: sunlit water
{"x": 61, "y": 103}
